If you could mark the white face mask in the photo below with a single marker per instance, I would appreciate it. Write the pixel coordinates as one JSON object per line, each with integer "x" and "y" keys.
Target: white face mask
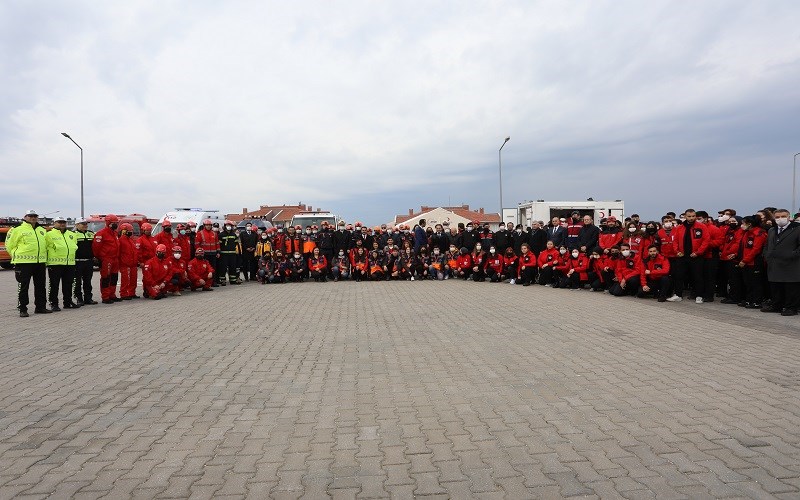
{"x": 668, "y": 225}
{"x": 782, "y": 221}
{"x": 562, "y": 251}
{"x": 723, "y": 218}
{"x": 341, "y": 254}
{"x": 631, "y": 229}
{"x": 452, "y": 249}
{"x": 626, "y": 253}
{"x": 228, "y": 227}
{"x": 469, "y": 228}
{"x": 176, "y": 255}
{"x": 492, "y": 250}
{"x": 436, "y": 252}
{"x": 575, "y": 255}
{"x": 297, "y": 256}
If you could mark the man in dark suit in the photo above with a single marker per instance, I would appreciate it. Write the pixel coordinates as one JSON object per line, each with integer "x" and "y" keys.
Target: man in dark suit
{"x": 557, "y": 233}
{"x": 783, "y": 265}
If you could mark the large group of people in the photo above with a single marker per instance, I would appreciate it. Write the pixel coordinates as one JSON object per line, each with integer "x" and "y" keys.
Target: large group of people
{"x": 751, "y": 261}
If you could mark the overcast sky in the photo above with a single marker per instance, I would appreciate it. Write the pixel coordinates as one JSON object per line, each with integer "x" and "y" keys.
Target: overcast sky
{"x": 371, "y": 108}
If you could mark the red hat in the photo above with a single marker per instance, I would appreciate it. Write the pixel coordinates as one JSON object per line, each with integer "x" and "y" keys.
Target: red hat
{"x": 207, "y": 221}
{"x": 192, "y": 223}
{"x": 161, "y": 248}
{"x": 111, "y": 218}
{"x": 146, "y": 227}
{"x": 166, "y": 223}
{"x": 199, "y": 251}
{"x": 126, "y": 226}
{"x": 176, "y": 248}
{"x": 228, "y": 222}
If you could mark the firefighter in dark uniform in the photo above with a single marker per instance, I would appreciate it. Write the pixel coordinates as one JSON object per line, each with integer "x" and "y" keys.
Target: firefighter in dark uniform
{"x": 84, "y": 264}
{"x": 229, "y": 250}
{"x": 325, "y": 243}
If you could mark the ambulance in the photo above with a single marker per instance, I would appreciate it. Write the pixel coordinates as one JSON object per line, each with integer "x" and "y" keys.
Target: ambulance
{"x": 185, "y": 215}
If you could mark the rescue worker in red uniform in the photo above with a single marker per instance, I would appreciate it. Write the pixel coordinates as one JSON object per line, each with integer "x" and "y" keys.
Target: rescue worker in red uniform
{"x": 180, "y": 278}
{"x": 182, "y": 240}
{"x": 746, "y": 287}
{"x": 155, "y": 274}
{"x": 208, "y": 240}
{"x": 628, "y": 273}
{"x": 494, "y": 266}
{"x": 654, "y": 279}
{"x": 527, "y": 266}
{"x": 106, "y": 248}
{"x": 165, "y": 236}
{"x": 201, "y": 274}
{"x": 464, "y": 264}
{"x": 318, "y": 265}
{"x": 578, "y": 273}
{"x": 128, "y": 263}
{"x": 547, "y": 260}
{"x": 691, "y": 242}
{"x": 145, "y": 244}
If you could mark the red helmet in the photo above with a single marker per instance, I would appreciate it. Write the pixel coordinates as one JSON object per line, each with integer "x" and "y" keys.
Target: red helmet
{"x": 229, "y": 222}
{"x": 298, "y": 227}
{"x": 176, "y": 248}
{"x": 207, "y": 222}
{"x": 199, "y": 251}
{"x": 126, "y": 226}
{"x": 146, "y": 227}
{"x": 358, "y": 224}
{"x": 192, "y": 223}
{"x": 475, "y": 223}
{"x": 111, "y": 218}
{"x": 162, "y": 248}
{"x": 166, "y": 223}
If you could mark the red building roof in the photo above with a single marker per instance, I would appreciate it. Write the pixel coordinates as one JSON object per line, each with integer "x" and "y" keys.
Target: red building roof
{"x": 277, "y": 214}
{"x": 462, "y": 211}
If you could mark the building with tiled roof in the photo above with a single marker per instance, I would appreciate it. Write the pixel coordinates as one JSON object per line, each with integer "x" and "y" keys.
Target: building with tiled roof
{"x": 277, "y": 214}
{"x": 453, "y": 215}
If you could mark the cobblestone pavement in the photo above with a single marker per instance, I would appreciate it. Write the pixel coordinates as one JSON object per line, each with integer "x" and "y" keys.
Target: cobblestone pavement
{"x": 412, "y": 389}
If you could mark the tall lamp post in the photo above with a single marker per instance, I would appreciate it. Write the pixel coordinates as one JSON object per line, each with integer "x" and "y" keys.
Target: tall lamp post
{"x": 500, "y": 167}
{"x": 794, "y": 189}
{"x": 75, "y": 143}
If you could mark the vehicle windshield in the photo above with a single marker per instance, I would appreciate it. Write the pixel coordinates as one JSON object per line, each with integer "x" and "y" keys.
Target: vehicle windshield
{"x": 311, "y": 221}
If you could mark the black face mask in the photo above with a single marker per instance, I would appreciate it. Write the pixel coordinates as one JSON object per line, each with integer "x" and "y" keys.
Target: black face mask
{"x": 651, "y": 230}
{"x": 112, "y": 226}
{"x": 161, "y": 255}
{"x": 167, "y": 229}
{"x": 734, "y": 226}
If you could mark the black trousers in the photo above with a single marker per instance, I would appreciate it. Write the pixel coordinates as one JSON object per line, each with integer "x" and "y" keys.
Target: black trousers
{"x": 60, "y": 277}
{"x": 229, "y": 266}
{"x": 249, "y": 266}
{"x": 687, "y": 269}
{"x": 709, "y": 279}
{"x": 658, "y": 288}
{"x": 631, "y": 287}
{"x": 82, "y": 285}
{"x": 785, "y": 295}
{"x": 24, "y": 273}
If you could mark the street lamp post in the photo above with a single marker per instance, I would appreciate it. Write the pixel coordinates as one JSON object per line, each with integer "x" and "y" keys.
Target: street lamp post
{"x": 500, "y": 168}
{"x": 794, "y": 189}
{"x": 73, "y": 142}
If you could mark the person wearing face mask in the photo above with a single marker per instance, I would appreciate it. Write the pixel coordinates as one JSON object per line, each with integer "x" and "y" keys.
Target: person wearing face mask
{"x": 654, "y": 278}
{"x": 546, "y": 262}
{"x": 502, "y": 239}
{"x": 182, "y": 240}
{"x": 281, "y": 266}
{"x": 342, "y": 238}
{"x": 665, "y": 239}
{"x": 229, "y": 251}
{"x": 297, "y": 268}
{"x": 478, "y": 263}
{"x": 628, "y": 273}
{"x": 325, "y": 244}
{"x": 309, "y": 242}
{"x": 84, "y": 263}
{"x": 128, "y": 263}
{"x": 494, "y": 266}
{"x": 463, "y": 264}
{"x": 634, "y": 238}
{"x": 200, "y": 272}
{"x": 606, "y": 268}
{"x": 439, "y": 239}
{"x": 451, "y": 262}
{"x": 468, "y": 238}
{"x": 600, "y": 265}
{"x": 293, "y": 241}
{"x": 61, "y": 248}
{"x": 360, "y": 263}
{"x": 578, "y": 273}
{"x": 340, "y": 266}
{"x": 526, "y": 275}
{"x": 610, "y": 235}
{"x": 106, "y": 249}
{"x": 519, "y": 237}
{"x": 561, "y": 267}
{"x": 155, "y": 274}
{"x": 318, "y": 266}
{"x": 377, "y": 266}
{"x": 745, "y": 274}
{"x": 486, "y": 236}
{"x": 728, "y": 253}
{"x": 710, "y": 257}
{"x": 537, "y": 238}
{"x": 510, "y": 266}
{"x": 264, "y": 244}
{"x": 180, "y": 276}
{"x": 165, "y": 236}
{"x": 691, "y": 242}
{"x": 248, "y": 239}
{"x": 191, "y": 234}
{"x": 574, "y": 225}
{"x": 782, "y": 255}
{"x": 208, "y": 240}
{"x": 437, "y": 264}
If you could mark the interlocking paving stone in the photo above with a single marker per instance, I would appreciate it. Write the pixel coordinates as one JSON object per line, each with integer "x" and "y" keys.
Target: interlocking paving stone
{"x": 391, "y": 390}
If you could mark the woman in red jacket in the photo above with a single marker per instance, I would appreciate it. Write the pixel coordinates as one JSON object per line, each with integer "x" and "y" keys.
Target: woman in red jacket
{"x": 548, "y": 258}
{"x": 578, "y": 273}
{"x": 318, "y": 265}
{"x": 746, "y": 287}
{"x": 561, "y": 267}
{"x": 464, "y": 264}
{"x": 510, "y": 263}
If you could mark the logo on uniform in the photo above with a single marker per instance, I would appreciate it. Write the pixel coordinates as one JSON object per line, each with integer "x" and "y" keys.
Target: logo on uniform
{"x": 698, "y": 233}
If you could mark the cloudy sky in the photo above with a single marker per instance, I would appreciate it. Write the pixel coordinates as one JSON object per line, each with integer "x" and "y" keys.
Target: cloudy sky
{"x": 371, "y": 108}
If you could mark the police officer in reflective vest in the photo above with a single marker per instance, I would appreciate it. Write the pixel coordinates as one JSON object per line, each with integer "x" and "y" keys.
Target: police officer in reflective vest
{"x": 27, "y": 245}
{"x": 84, "y": 264}
{"x": 61, "y": 247}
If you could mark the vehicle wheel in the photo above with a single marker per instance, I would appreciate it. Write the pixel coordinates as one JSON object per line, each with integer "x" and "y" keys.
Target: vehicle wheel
{"x": 6, "y": 265}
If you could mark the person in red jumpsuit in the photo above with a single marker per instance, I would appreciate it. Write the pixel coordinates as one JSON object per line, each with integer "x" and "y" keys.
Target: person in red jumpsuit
{"x": 182, "y": 240}
{"x": 145, "y": 245}
{"x": 200, "y": 272}
{"x": 106, "y": 248}
{"x": 155, "y": 274}
{"x": 180, "y": 277}
{"x": 165, "y": 236}
{"x": 208, "y": 240}
{"x": 128, "y": 263}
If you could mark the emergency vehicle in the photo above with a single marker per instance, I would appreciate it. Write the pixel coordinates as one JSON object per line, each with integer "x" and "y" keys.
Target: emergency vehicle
{"x": 304, "y": 219}
{"x": 6, "y": 224}
{"x": 97, "y": 222}
{"x": 185, "y": 215}
{"x": 545, "y": 210}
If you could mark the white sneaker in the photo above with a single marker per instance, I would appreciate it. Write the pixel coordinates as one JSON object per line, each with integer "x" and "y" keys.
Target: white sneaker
{"x": 447, "y": 277}
{"x": 698, "y": 300}
{"x": 512, "y": 281}
{"x": 674, "y": 298}
{"x": 412, "y": 278}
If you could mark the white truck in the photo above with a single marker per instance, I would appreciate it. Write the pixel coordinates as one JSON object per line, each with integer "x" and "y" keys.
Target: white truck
{"x": 304, "y": 219}
{"x": 184, "y": 215}
{"x": 545, "y": 210}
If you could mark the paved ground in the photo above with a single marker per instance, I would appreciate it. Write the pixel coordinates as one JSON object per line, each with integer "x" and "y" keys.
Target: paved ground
{"x": 399, "y": 389}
